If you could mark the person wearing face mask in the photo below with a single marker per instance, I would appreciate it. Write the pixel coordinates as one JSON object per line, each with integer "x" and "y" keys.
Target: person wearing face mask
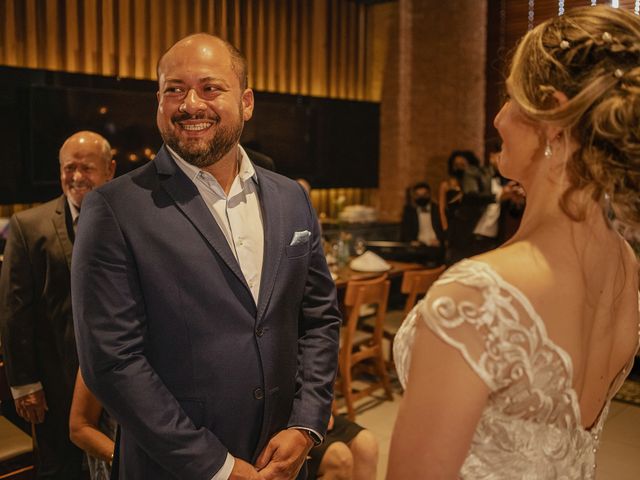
{"x": 466, "y": 193}
{"x": 450, "y": 192}
{"x": 36, "y": 322}
{"x": 421, "y": 223}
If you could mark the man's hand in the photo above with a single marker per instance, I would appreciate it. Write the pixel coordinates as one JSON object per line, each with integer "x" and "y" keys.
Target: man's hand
{"x": 284, "y": 455}
{"x": 32, "y": 406}
{"x": 244, "y": 471}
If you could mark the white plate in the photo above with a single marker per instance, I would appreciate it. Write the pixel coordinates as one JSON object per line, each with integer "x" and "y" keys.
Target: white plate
{"x": 372, "y": 270}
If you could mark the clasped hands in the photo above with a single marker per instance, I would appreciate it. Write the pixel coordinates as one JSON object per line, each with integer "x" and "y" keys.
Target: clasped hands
{"x": 281, "y": 459}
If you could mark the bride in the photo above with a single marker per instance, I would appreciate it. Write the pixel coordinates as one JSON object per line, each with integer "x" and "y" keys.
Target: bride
{"x": 512, "y": 359}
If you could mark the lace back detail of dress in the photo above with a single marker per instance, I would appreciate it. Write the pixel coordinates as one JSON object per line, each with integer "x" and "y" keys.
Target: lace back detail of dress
{"x": 531, "y": 425}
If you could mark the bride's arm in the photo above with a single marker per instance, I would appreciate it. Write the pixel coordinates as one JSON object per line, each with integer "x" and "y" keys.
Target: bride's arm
{"x": 438, "y": 415}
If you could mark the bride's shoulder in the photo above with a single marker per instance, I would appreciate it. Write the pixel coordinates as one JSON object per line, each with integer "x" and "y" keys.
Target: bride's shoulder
{"x": 517, "y": 265}
{"x": 520, "y": 265}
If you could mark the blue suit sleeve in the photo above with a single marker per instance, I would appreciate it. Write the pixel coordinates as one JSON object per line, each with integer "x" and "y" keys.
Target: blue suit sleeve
{"x": 318, "y": 343}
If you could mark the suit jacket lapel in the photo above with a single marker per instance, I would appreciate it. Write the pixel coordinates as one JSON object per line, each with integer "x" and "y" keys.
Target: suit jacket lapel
{"x": 273, "y": 240}
{"x": 60, "y": 226}
{"x": 190, "y": 203}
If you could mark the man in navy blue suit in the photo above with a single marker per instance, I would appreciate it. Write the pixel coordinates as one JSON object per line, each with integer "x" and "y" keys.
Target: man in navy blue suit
{"x": 205, "y": 314}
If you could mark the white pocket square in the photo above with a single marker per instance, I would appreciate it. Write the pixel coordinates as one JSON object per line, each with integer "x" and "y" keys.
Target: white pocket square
{"x": 300, "y": 237}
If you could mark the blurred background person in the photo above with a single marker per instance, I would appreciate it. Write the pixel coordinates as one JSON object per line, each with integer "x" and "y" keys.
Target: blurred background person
{"x": 304, "y": 183}
{"x": 36, "y": 322}
{"x": 505, "y": 212}
{"x": 421, "y": 223}
{"x": 466, "y": 192}
{"x": 450, "y": 190}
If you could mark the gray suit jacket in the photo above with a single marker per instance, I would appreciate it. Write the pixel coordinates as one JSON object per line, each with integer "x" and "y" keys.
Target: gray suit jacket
{"x": 35, "y": 305}
{"x": 170, "y": 339}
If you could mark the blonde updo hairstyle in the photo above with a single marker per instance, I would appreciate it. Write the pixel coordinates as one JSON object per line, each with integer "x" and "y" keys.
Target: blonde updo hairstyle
{"x": 592, "y": 55}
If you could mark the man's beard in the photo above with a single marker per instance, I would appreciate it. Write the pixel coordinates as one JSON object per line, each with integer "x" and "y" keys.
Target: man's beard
{"x": 201, "y": 153}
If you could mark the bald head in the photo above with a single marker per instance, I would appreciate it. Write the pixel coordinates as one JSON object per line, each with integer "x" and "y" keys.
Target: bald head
{"x": 85, "y": 163}
{"x": 87, "y": 139}
{"x": 208, "y": 46}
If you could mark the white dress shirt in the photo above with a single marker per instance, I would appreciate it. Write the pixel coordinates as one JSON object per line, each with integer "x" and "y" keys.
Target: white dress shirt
{"x": 487, "y": 226}
{"x": 426, "y": 233}
{"x": 237, "y": 214}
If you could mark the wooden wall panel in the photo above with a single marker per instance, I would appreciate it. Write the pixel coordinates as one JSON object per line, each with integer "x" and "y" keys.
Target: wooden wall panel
{"x": 31, "y": 41}
{"x": 307, "y": 47}
{"x": 313, "y": 47}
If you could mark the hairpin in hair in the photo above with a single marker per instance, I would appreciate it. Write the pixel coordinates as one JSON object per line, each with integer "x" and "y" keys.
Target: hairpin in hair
{"x": 607, "y": 38}
{"x": 564, "y": 45}
{"x": 618, "y": 73}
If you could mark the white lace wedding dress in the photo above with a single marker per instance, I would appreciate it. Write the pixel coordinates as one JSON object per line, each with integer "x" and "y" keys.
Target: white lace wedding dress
{"x": 531, "y": 427}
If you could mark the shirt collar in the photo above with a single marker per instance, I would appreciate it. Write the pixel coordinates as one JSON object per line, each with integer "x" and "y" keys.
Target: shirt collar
{"x": 245, "y": 171}
{"x": 75, "y": 211}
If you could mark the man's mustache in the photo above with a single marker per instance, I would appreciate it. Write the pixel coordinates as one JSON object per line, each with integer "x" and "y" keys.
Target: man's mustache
{"x": 183, "y": 116}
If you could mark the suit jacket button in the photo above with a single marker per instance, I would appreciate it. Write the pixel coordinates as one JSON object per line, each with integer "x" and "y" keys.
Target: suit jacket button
{"x": 259, "y": 331}
{"x": 258, "y": 394}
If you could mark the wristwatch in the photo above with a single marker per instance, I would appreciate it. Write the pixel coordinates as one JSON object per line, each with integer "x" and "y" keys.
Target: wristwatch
{"x": 315, "y": 438}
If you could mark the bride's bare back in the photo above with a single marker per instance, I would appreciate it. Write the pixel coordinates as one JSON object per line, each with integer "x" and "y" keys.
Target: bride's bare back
{"x": 587, "y": 300}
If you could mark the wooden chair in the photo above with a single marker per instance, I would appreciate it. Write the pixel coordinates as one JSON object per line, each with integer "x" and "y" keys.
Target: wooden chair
{"x": 16, "y": 447}
{"x": 415, "y": 284}
{"x": 359, "y": 348}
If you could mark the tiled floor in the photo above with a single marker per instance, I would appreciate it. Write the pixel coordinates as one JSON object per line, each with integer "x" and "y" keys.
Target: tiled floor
{"x": 618, "y": 458}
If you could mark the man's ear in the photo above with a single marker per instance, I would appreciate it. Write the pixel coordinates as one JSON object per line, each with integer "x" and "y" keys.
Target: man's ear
{"x": 247, "y": 104}
{"x": 112, "y": 168}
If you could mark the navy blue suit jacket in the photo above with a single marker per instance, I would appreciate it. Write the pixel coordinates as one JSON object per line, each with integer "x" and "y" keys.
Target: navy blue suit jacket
{"x": 170, "y": 338}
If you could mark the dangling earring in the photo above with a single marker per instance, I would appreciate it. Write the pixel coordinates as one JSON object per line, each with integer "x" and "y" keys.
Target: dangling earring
{"x": 547, "y": 149}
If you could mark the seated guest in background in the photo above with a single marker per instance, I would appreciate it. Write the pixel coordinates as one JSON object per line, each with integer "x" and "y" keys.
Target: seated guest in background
{"x": 93, "y": 430}
{"x": 421, "y": 222}
{"x": 349, "y": 452}
{"x": 35, "y": 305}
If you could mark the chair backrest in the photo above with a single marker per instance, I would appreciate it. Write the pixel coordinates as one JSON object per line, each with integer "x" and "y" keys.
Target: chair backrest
{"x": 366, "y": 292}
{"x": 418, "y": 282}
